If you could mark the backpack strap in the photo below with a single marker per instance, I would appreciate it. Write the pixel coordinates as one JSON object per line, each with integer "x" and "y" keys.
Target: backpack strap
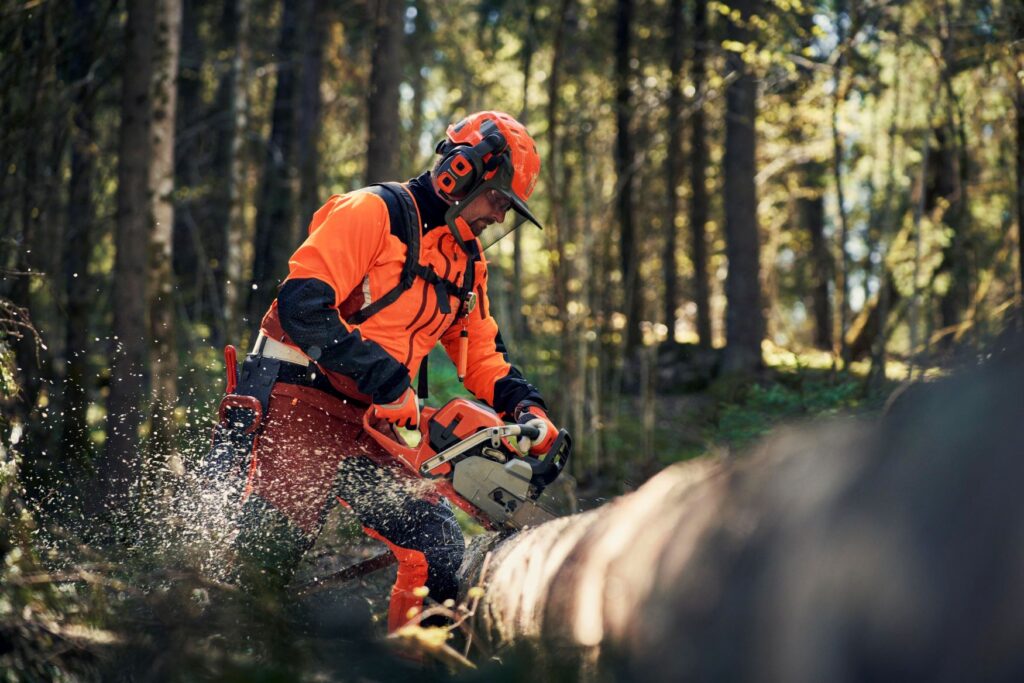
{"x": 404, "y": 220}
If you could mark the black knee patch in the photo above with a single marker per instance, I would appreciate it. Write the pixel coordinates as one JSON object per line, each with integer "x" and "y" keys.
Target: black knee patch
{"x": 391, "y": 506}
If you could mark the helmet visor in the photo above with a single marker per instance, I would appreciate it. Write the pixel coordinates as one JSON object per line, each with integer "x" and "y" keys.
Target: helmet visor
{"x": 524, "y": 211}
{"x": 493, "y": 233}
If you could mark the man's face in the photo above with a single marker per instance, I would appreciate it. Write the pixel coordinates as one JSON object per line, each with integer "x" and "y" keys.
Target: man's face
{"x": 487, "y": 208}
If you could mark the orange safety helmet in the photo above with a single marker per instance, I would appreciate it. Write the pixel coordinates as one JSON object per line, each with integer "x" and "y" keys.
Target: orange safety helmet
{"x": 488, "y": 149}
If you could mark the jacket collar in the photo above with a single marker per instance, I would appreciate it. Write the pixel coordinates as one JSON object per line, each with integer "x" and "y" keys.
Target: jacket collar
{"x": 432, "y": 208}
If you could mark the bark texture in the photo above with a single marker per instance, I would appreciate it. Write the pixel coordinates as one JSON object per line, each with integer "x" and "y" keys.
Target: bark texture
{"x": 812, "y": 215}
{"x": 698, "y": 173}
{"x": 79, "y": 237}
{"x": 673, "y": 162}
{"x": 310, "y": 107}
{"x": 275, "y": 215}
{"x": 744, "y": 320}
{"x": 129, "y": 370}
{"x": 163, "y": 358}
{"x": 385, "y": 133}
{"x": 227, "y": 220}
{"x": 628, "y": 253}
{"x": 854, "y": 551}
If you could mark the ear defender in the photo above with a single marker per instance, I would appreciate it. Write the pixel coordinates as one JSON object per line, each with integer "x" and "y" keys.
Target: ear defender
{"x": 462, "y": 167}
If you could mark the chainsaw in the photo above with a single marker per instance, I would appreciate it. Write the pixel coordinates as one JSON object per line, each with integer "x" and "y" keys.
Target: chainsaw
{"x": 466, "y": 448}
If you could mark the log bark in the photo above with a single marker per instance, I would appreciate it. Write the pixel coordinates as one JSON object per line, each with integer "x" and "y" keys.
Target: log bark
{"x": 846, "y": 552}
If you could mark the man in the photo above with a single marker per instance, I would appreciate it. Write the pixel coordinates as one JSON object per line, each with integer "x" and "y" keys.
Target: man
{"x": 384, "y": 274}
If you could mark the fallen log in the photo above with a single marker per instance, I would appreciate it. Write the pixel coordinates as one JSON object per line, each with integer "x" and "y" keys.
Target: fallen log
{"x": 861, "y": 550}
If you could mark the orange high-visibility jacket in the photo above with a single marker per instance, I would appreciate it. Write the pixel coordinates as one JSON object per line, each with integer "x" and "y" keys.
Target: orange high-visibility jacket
{"x": 349, "y": 259}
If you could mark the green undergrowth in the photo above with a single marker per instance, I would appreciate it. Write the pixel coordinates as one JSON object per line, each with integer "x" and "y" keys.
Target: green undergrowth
{"x": 728, "y": 417}
{"x": 742, "y": 416}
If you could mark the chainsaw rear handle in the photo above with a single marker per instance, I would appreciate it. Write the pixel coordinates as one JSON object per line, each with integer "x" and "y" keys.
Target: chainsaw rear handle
{"x": 547, "y": 470}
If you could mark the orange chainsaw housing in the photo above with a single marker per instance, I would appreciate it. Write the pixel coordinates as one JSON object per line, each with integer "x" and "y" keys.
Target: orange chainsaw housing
{"x": 441, "y": 428}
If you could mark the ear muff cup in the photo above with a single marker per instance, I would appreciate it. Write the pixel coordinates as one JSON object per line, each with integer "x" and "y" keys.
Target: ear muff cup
{"x": 462, "y": 168}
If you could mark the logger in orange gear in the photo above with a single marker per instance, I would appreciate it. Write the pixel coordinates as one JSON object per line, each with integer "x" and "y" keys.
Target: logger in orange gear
{"x": 385, "y": 273}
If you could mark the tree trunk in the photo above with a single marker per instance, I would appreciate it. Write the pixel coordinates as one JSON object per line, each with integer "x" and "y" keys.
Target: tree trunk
{"x": 275, "y": 215}
{"x": 29, "y": 112}
{"x": 629, "y": 242}
{"x": 920, "y": 207}
{"x": 518, "y": 320}
{"x": 892, "y": 219}
{"x": 226, "y": 218}
{"x": 801, "y": 562}
{"x": 698, "y": 172}
{"x": 163, "y": 352}
{"x": 419, "y": 56}
{"x": 1019, "y": 106}
{"x": 953, "y": 146}
{"x": 1017, "y": 31}
{"x": 310, "y": 105}
{"x": 557, "y": 174}
{"x": 77, "y": 243}
{"x": 117, "y": 471}
{"x": 383, "y": 149}
{"x": 744, "y": 317}
{"x": 188, "y": 249}
{"x": 947, "y": 189}
{"x": 812, "y": 216}
{"x": 838, "y": 98}
{"x": 673, "y": 159}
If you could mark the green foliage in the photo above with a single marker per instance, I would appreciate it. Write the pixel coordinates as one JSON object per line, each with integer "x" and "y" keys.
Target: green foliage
{"x": 761, "y": 406}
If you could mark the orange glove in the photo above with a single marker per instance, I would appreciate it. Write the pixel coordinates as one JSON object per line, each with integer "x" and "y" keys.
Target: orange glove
{"x": 534, "y": 416}
{"x": 404, "y": 411}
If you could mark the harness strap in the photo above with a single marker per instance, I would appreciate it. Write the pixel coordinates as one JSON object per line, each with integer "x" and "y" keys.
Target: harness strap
{"x": 404, "y": 220}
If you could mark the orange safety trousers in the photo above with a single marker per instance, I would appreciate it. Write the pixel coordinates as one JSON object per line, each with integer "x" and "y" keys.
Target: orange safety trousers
{"x": 312, "y": 453}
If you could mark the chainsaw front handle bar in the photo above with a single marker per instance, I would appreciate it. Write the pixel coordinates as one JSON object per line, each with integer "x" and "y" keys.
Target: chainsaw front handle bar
{"x": 531, "y": 433}
{"x": 408, "y": 455}
{"x": 492, "y": 434}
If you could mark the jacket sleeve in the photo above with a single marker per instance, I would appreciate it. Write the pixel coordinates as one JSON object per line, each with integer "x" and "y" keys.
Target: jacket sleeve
{"x": 343, "y": 244}
{"x": 490, "y": 376}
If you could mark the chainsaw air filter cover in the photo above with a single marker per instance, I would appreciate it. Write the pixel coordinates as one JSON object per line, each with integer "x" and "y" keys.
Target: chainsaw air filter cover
{"x": 458, "y": 419}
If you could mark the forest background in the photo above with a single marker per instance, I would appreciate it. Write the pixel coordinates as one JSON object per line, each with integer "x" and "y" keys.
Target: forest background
{"x": 753, "y": 210}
